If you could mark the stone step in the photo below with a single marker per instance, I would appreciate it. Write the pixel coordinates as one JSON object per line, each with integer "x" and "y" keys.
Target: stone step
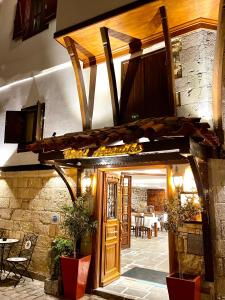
{"x": 111, "y": 295}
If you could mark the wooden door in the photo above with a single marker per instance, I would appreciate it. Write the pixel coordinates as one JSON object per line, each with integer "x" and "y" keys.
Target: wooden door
{"x": 110, "y": 261}
{"x": 126, "y": 211}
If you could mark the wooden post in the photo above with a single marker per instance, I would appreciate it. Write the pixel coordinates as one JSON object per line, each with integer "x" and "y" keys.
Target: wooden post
{"x": 218, "y": 73}
{"x": 200, "y": 173}
{"x": 169, "y": 56}
{"x": 111, "y": 74}
{"x": 71, "y": 48}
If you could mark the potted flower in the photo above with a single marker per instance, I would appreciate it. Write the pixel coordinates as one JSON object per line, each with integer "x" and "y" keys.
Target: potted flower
{"x": 77, "y": 222}
{"x": 180, "y": 285}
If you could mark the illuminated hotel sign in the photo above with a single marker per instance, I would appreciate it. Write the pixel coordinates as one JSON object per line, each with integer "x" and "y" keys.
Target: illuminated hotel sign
{"x": 73, "y": 153}
{"x": 104, "y": 151}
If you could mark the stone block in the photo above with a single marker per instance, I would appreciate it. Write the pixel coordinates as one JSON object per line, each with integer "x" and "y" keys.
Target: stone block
{"x": 27, "y": 193}
{"x": 192, "y": 264}
{"x": 220, "y": 210}
{"x": 216, "y": 172}
{"x": 222, "y": 230}
{"x": 4, "y": 202}
{"x": 51, "y": 287}
{"x": 53, "y": 230}
{"x": 22, "y": 182}
{"x": 16, "y": 225}
{"x": 220, "y": 267}
{"x": 44, "y": 242}
{"x": 27, "y": 226}
{"x": 41, "y": 228}
{"x": 45, "y": 217}
{"x": 22, "y": 215}
{"x": 220, "y": 286}
{"x": 15, "y": 202}
{"x": 46, "y": 193}
{"x": 6, "y": 213}
{"x": 35, "y": 182}
{"x": 220, "y": 248}
{"x": 39, "y": 259}
{"x": 53, "y": 182}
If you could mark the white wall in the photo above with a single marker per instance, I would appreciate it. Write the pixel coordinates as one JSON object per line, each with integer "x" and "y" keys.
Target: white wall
{"x": 71, "y": 12}
{"x": 19, "y": 59}
{"x": 40, "y": 69}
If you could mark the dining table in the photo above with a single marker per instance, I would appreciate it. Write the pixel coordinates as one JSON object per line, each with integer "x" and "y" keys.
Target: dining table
{"x": 150, "y": 222}
{"x": 5, "y": 244}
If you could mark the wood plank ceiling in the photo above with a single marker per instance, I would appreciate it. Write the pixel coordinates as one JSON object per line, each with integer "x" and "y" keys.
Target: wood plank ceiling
{"x": 141, "y": 24}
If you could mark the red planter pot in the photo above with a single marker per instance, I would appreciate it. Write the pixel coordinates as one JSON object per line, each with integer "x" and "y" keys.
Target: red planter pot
{"x": 75, "y": 273}
{"x": 186, "y": 288}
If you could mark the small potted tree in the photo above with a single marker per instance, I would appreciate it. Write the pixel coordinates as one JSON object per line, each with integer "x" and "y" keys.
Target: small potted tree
{"x": 180, "y": 285}
{"x": 77, "y": 221}
{"x": 60, "y": 246}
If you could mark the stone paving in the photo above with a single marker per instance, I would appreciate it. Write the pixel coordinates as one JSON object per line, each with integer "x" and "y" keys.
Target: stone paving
{"x": 30, "y": 290}
{"x": 144, "y": 253}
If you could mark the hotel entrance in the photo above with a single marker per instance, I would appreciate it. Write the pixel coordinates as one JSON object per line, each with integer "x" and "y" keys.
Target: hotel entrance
{"x": 135, "y": 242}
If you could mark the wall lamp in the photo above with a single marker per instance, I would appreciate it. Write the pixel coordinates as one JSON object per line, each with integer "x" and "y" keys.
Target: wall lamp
{"x": 86, "y": 182}
{"x": 177, "y": 180}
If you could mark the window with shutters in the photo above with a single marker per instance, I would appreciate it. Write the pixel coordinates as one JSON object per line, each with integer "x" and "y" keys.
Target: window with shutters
{"x": 32, "y": 17}
{"x": 24, "y": 127}
{"x": 145, "y": 91}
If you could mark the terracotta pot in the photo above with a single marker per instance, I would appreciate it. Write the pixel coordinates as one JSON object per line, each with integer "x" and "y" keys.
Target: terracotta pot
{"x": 186, "y": 288}
{"x": 75, "y": 273}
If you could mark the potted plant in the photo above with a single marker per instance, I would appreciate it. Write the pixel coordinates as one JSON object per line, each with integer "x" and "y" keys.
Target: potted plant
{"x": 60, "y": 246}
{"x": 77, "y": 222}
{"x": 180, "y": 285}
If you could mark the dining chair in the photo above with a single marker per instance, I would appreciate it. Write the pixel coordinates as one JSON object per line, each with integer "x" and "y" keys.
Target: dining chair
{"x": 19, "y": 264}
{"x": 140, "y": 229}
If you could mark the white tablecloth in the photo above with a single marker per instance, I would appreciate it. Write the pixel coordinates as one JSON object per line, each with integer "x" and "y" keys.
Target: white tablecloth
{"x": 148, "y": 221}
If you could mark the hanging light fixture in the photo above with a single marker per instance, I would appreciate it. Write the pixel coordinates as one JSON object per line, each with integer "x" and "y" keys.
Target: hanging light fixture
{"x": 177, "y": 180}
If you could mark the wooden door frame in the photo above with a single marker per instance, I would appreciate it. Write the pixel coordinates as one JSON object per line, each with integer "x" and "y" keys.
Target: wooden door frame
{"x": 98, "y": 213}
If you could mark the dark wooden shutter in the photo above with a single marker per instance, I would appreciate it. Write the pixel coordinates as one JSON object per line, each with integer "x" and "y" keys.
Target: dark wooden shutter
{"x": 50, "y": 10}
{"x": 21, "y": 18}
{"x": 15, "y": 126}
{"x": 32, "y": 17}
{"x": 147, "y": 92}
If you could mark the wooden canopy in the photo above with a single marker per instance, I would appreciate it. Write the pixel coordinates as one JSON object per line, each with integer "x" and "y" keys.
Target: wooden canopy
{"x": 162, "y": 130}
{"x": 138, "y": 23}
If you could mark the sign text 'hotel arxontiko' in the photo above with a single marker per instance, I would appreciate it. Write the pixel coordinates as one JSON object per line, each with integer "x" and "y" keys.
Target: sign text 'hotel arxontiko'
{"x": 103, "y": 151}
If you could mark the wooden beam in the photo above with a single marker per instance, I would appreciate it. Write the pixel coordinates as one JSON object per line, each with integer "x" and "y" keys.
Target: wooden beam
{"x": 111, "y": 74}
{"x": 200, "y": 172}
{"x": 91, "y": 96}
{"x": 71, "y": 48}
{"x": 69, "y": 186}
{"x": 218, "y": 73}
{"x": 169, "y": 56}
{"x": 147, "y": 159}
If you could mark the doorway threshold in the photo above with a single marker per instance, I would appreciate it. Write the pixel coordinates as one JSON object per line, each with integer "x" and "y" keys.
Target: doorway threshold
{"x": 130, "y": 288}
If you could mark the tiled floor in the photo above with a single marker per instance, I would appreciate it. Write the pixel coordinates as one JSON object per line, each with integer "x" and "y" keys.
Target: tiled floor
{"x": 30, "y": 290}
{"x": 144, "y": 253}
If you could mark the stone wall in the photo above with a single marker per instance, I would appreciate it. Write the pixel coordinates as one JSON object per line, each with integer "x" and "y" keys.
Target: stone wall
{"x": 28, "y": 200}
{"x": 191, "y": 262}
{"x": 217, "y": 215}
{"x": 138, "y": 199}
{"x": 195, "y": 85}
